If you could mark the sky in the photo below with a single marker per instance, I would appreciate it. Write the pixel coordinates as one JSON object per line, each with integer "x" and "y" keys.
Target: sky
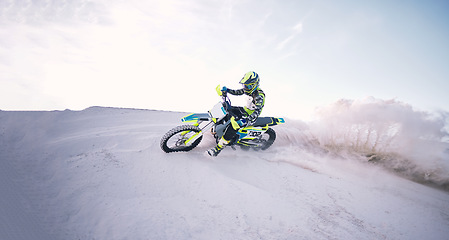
{"x": 170, "y": 55}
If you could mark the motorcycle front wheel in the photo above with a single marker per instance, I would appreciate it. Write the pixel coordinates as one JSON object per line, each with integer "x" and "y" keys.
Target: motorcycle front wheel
{"x": 175, "y": 140}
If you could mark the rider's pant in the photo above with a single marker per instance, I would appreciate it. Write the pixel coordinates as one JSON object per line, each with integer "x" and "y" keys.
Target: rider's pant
{"x": 231, "y": 130}
{"x": 238, "y": 112}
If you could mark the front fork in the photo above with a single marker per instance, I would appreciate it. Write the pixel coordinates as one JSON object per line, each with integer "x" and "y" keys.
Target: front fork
{"x": 208, "y": 126}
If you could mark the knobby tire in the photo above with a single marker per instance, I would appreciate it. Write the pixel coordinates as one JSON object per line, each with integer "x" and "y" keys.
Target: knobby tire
{"x": 177, "y": 133}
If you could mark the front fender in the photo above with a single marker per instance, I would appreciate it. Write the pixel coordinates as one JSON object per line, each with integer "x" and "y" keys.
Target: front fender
{"x": 195, "y": 117}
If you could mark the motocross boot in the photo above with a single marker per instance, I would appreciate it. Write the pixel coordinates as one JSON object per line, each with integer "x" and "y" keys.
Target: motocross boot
{"x": 217, "y": 149}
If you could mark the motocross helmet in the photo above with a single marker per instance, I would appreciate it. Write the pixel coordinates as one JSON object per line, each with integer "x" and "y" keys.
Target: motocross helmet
{"x": 250, "y": 82}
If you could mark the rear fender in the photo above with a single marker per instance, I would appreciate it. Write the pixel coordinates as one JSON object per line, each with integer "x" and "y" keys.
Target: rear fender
{"x": 268, "y": 121}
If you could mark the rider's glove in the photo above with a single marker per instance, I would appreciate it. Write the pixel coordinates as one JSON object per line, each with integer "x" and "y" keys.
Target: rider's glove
{"x": 224, "y": 90}
{"x": 242, "y": 122}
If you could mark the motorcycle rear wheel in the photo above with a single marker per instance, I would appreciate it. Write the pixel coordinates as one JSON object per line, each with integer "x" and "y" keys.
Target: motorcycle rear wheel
{"x": 263, "y": 143}
{"x": 175, "y": 139}
{"x": 271, "y": 134}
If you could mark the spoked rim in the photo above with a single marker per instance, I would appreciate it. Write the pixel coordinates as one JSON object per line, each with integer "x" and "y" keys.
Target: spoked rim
{"x": 257, "y": 143}
{"x": 178, "y": 140}
{"x": 263, "y": 142}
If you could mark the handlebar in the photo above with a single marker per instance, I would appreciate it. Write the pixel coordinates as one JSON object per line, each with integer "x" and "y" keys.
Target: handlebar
{"x": 223, "y": 95}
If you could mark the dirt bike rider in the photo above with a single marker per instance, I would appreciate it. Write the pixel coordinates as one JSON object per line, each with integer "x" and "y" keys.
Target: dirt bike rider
{"x": 246, "y": 116}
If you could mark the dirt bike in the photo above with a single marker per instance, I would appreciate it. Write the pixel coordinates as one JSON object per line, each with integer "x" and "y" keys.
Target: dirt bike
{"x": 258, "y": 136}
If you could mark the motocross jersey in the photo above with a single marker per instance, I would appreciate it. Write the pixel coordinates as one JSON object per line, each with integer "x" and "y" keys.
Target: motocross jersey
{"x": 256, "y": 102}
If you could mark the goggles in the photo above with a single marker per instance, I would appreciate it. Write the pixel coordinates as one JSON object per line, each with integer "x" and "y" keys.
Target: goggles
{"x": 249, "y": 86}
